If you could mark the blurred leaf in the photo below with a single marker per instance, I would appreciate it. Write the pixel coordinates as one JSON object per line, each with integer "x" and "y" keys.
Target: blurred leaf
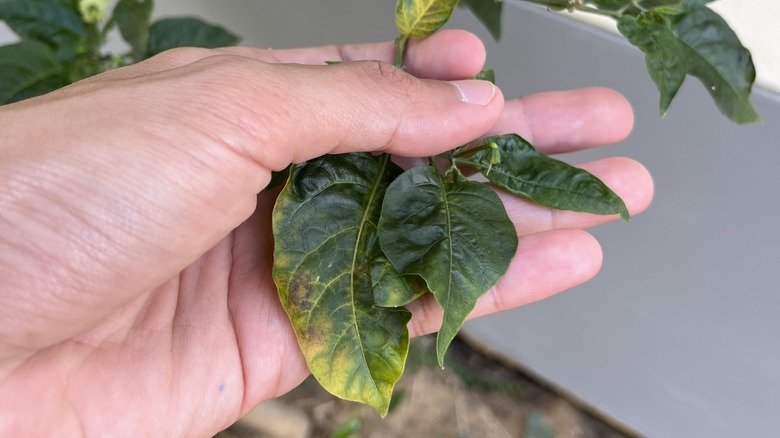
{"x": 44, "y": 86}
{"x": 26, "y": 68}
{"x": 348, "y": 429}
{"x": 446, "y": 232}
{"x": 50, "y": 22}
{"x": 486, "y": 75}
{"x": 488, "y": 12}
{"x": 395, "y": 402}
{"x": 133, "y": 19}
{"x": 187, "y": 32}
{"x": 421, "y": 18}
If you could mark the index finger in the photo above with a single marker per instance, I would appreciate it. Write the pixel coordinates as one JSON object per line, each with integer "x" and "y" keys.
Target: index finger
{"x": 445, "y": 55}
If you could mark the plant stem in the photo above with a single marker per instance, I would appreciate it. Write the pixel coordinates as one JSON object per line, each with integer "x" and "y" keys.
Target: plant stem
{"x": 472, "y": 151}
{"x": 400, "y": 50}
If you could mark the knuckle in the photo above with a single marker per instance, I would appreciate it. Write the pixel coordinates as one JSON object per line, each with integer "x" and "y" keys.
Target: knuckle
{"x": 182, "y": 55}
{"x": 222, "y": 93}
{"x": 391, "y": 77}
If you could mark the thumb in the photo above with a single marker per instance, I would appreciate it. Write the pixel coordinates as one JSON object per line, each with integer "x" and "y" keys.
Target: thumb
{"x": 298, "y": 112}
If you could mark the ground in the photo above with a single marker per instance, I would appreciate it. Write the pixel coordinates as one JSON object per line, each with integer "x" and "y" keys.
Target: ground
{"x": 476, "y": 395}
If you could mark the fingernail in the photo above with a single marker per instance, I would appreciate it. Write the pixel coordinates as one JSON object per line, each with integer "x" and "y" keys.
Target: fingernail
{"x": 474, "y": 91}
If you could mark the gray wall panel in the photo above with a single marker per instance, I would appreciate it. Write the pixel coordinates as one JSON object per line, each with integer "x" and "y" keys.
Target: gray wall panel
{"x": 677, "y": 335}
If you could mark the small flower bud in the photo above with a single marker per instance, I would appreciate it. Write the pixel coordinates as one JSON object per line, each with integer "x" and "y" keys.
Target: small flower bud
{"x": 92, "y": 10}
{"x": 494, "y": 155}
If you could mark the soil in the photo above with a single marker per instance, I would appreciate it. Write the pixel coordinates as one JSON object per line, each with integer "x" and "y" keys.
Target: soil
{"x": 475, "y": 395}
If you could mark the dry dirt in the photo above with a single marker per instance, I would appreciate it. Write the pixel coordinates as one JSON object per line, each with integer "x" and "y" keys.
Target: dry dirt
{"x": 475, "y": 396}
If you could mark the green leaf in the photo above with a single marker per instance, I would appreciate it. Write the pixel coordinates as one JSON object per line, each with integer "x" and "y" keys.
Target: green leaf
{"x": 486, "y": 75}
{"x": 50, "y": 22}
{"x": 718, "y": 59}
{"x": 420, "y": 18}
{"x": 546, "y": 181}
{"x": 664, "y": 55}
{"x": 392, "y": 289}
{"x": 133, "y": 18}
{"x": 488, "y": 12}
{"x": 349, "y": 429}
{"x": 325, "y": 237}
{"x": 455, "y": 235}
{"x": 186, "y": 32}
{"x": 25, "y": 69}
{"x": 609, "y": 5}
{"x": 44, "y": 86}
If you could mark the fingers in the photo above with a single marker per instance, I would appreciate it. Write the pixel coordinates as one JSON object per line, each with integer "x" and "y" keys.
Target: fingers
{"x": 445, "y": 55}
{"x": 565, "y": 121}
{"x": 545, "y": 264}
{"x": 553, "y": 253}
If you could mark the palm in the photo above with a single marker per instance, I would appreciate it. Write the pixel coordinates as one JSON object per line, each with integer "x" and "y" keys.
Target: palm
{"x": 198, "y": 351}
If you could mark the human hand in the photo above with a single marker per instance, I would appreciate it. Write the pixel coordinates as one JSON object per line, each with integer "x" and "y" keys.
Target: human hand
{"x": 135, "y": 252}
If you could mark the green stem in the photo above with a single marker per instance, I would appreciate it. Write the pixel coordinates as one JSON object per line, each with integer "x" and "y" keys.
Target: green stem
{"x": 472, "y": 151}
{"x": 400, "y": 50}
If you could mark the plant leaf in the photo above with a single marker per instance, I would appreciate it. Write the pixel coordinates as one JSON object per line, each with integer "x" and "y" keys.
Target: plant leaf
{"x": 50, "y": 22}
{"x": 325, "y": 236}
{"x": 186, "y": 32}
{"x": 664, "y": 55}
{"x": 44, "y": 86}
{"x": 392, "y": 289}
{"x": 486, "y": 75}
{"x": 608, "y": 5}
{"x": 133, "y": 19}
{"x": 718, "y": 59}
{"x": 420, "y": 18}
{"x": 488, "y": 12}
{"x": 546, "y": 181}
{"x": 23, "y": 68}
{"x": 456, "y": 236}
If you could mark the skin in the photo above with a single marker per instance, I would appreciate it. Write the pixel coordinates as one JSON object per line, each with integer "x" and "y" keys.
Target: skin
{"x": 135, "y": 244}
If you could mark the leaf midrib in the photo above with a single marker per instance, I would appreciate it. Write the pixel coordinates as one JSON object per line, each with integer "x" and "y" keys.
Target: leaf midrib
{"x": 448, "y": 219}
{"x": 548, "y": 187}
{"x": 363, "y": 223}
{"x": 411, "y": 26}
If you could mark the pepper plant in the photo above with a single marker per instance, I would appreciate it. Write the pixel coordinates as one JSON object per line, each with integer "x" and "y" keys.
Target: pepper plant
{"x": 357, "y": 237}
{"x": 63, "y": 41}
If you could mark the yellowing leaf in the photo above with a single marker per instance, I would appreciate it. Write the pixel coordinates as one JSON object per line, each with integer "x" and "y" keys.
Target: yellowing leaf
{"x": 420, "y": 18}
{"x": 327, "y": 269}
